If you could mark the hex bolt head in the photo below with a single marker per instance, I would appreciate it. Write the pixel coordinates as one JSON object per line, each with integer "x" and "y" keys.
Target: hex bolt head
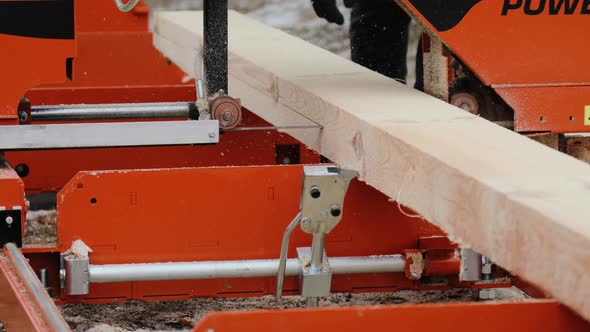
{"x": 315, "y": 192}
{"x": 335, "y": 211}
{"x": 9, "y": 220}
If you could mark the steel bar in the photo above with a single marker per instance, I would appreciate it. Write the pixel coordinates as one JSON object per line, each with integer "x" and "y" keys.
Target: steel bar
{"x": 152, "y": 133}
{"x": 283, "y": 255}
{"x": 317, "y": 262}
{"x": 132, "y": 111}
{"x": 269, "y": 128}
{"x": 236, "y": 269}
{"x": 50, "y": 312}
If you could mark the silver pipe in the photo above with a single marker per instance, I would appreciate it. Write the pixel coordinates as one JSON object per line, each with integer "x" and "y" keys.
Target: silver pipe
{"x": 42, "y": 274}
{"x": 312, "y": 302}
{"x": 283, "y": 255}
{"x": 236, "y": 269}
{"x": 317, "y": 252}
{"x": 317, "y": 262}
{"x": 85, "y": 112}
{"x": 201, "y": 90}
{"x": 52, "y": 315}
{"x": 125, "y": 7}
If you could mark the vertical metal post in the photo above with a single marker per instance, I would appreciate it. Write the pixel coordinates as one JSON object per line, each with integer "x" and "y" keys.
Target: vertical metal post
{"x": 317, "y": 261}
{"x": 215, "y": 45}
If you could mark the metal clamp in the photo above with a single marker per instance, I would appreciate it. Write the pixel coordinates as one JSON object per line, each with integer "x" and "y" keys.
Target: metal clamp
{"x": 321, "y": 209}
{"x": 75, "y": 269}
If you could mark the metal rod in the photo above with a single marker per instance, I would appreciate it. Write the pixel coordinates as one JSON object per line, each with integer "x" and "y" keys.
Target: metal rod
{"x": 317, "y": 252}
{"x": 111, "y": 111}
{"x": 52, "y": 315}
{"x": 316, "y": 263}
{"x": 273, "y": 128}
{"x": 283, "y": 256}
{"x": 215, "y": 45}
{"x": 42, "y": 274}
{"x": 312, "y": 302}
{"x": 237, "y": 269}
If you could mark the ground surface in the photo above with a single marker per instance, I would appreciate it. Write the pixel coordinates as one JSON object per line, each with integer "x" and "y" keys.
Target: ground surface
{"x": 182, "y": 315}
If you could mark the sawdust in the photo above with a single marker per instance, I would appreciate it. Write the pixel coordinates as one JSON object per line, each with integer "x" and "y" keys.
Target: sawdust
{"x": 41, "y": 228}
{"x": 78, "y": 250}
{"x": 182, "y": 315}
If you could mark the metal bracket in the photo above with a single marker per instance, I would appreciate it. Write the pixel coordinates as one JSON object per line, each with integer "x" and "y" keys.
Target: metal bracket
{"x": 11, "y": 227}
{"x": 115, "y": 134}
{"x": 321, "y": 208}
{"x": 313, "y": 282}
{"x": 75, "y": 269}
{"x": 322, "y": 197}
{"x": 471, "y": 268}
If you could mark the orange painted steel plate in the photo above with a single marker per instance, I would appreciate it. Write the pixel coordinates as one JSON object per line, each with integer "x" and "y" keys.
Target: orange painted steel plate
{"x": 517, "y": 48}
{"x": 219, "y": 213}
{"x": 556, "y": 108}
{"x": 546, "y": 316}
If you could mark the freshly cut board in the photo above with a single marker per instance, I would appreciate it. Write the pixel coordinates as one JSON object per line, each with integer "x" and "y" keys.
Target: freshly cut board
{"x": 522, "y": 204}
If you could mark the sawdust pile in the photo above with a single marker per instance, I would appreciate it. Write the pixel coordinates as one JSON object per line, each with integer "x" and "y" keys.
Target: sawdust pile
{"x": 180, "y": 315}
{"x": 41, "y": 228}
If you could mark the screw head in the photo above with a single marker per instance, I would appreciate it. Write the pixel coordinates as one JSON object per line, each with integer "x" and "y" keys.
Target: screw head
{"x": 9, "y": 220}
{"x": 315, "y": 192}
{"x": 335, "y": 211}
{"x": 226, "y": 115}
{"x": 414, "y": 275}
{"x": 212, "y": 134}
{"x": 306, "y": 222}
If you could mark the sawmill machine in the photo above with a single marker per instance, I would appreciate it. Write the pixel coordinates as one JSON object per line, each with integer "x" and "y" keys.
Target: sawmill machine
{"x": 168, "y": 189}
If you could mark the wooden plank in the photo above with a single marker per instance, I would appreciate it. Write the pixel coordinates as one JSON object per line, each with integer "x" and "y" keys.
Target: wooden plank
{"x": 512, "y": 199}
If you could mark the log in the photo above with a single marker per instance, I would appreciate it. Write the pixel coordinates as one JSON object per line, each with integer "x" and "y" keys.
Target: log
{"x": 514, "y": 200}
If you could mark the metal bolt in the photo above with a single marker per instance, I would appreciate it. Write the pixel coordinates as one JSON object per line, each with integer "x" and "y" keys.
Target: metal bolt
{"x": 22, "y": 116}
{"x": 9, "y": 220}
{"x": 335, "y": 211}
{"x": 305, "y": 222}
{"x": 226, "y": 115}
{"x": 315, "y": 192}
{"x": 212, "y": 134}
{"x": 414, "y": 275}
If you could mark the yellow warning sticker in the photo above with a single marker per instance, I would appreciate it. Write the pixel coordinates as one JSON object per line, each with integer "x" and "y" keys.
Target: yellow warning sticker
{"x": 587, "y": 115}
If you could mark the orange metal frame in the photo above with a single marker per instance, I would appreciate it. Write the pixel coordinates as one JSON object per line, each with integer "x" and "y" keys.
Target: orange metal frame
{"x": 228, "y": 213}
{"x": 546, "y": 316}
{"x": 240, "y": 212}
{"x": 18, "y": 312}
{"x": 535, "y": 60}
